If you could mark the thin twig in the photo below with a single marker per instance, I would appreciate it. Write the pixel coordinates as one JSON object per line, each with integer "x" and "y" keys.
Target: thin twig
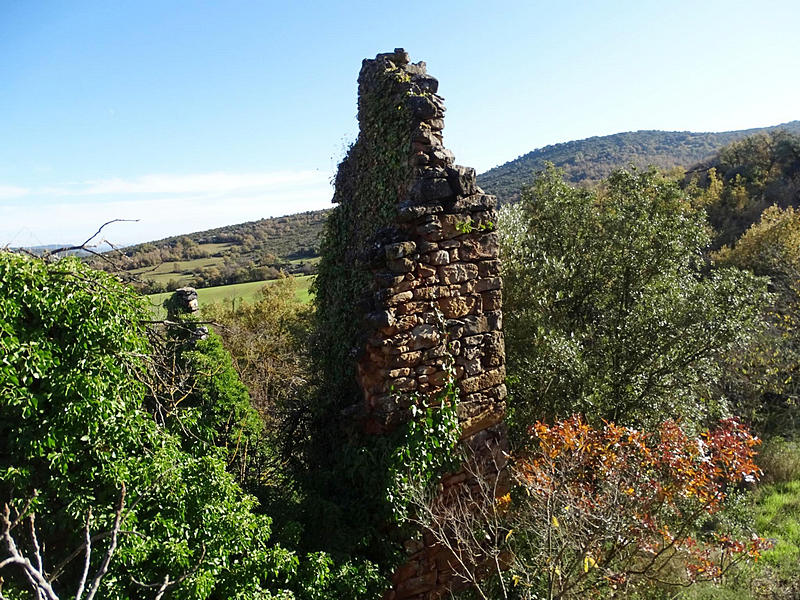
{"x": 111, "y": 548}
{"x": 85, "y": 245}
{"x": 88, "y": 546}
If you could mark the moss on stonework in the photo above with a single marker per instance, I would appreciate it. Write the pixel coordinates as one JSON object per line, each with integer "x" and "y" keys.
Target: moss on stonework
{"x": 371, "y": 181}
{"x": 349, "y": 474}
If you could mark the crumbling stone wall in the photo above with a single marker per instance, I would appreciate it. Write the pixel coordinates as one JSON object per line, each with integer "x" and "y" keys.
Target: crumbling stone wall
{"x": 411, "y": 279}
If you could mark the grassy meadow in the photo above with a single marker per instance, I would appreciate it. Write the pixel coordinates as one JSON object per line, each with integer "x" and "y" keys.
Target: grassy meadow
{"x": 246, "y": 292}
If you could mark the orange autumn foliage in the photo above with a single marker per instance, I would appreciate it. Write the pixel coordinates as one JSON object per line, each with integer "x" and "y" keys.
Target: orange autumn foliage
{"x": 620, "y": 507}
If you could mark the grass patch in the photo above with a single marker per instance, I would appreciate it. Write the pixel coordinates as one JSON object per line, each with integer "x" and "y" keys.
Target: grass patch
{"x": 776, "y": 517}
{"x": 175, "y": 269}
{"x": 246, "y": 292}
{"x": 311, "y": 261}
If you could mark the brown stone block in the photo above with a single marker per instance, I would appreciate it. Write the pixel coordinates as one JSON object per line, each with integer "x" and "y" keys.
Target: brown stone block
{"x": 399, "y": 250}
{"x": 425, "y": 247}
{"x": 440, "y": 257}
{"x": 419, "y": 159}
{"x": 424, "y": 336}
{"x": 492, "y": 416}
{"x": 488, "y": 283}
{"x": 410, "y": 308}
{"x": 482, "y": 381}
{"x": 406, "y": 571}
{"x": 471, "y": 367}
{"x": 458, "y": 306}
{"x": 431, "y": 292}
{"x": 489, "y": 268}
{"x": 480, "y": 246}
{"x": 401, "y": 265}
{"x": 406, "y": 285}
{"x": 492, "y": 360}
{"x": 429, "y": 190}
{"x": 466, "y": 326}
{"x": 407, "y": 359}
{"x": 474, "y": 340}
{"x": 452, "y": 226}
{"x": 423, "y": 134}
{"x": 462, "y": 180}
{"x": 492, "y": 300}
{"x": 394, "y": 373}
{"x": 458, "y": 273}
{"x": 420, "y": 147}
{"x": 468, "y": 287}
{"x": 431, "y": 230}
{"x": 426, "y": 271}
{"x": 438, "y": 379}
{"x": 495, "y": 320}
{"x": 441, "y": 157}
{"x": 433, "y": 356}
{"x": 400, "y": 384}
{"x": 476, "y": 202}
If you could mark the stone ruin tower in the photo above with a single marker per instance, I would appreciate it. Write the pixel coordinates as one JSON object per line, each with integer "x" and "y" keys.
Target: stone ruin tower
{"x": 410, "y": 280}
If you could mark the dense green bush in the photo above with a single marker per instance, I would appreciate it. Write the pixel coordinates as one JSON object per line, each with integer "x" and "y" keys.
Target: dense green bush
{"x": 745, "y": 178}
{"x": 610, "y": 310}
{"x": 78, "y": 421}
{"x": 74, "y": 429}
{"x": 764, "y": 381}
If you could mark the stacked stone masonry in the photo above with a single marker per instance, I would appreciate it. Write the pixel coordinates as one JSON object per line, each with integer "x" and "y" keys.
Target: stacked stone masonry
{"x": 436, "y": 304}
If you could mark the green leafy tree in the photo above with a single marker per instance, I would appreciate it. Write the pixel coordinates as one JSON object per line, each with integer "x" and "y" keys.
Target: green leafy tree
{"x": 74, "y": 432}
{"x": 267, "y": 340}
{"x": 746, "y": 177}
{"x": 609, "y": 308}
{"x": 763, "y": 381}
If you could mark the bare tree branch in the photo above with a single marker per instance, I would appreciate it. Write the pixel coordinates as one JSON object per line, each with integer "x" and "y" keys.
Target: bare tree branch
{"x": 85, "y": 245}
{"x": 88, "y": 550}
{"x": 41, "y": 587}
{"x": 112, "y": 547}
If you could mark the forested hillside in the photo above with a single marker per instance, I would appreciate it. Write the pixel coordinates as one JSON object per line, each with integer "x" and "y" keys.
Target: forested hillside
{"x": 587, "y": 161}
{"x": 252, "y": 251}
{"x": 744, "y": 178}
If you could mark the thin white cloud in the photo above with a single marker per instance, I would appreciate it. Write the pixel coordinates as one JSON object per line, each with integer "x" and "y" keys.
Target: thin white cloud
{"x": 197, "y": 183}
{"x": 12, "y": 191}
{"x": 163, "y": 204}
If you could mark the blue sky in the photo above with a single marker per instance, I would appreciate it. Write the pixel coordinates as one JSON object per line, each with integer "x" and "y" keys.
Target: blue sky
{"x": 188, "y": 114}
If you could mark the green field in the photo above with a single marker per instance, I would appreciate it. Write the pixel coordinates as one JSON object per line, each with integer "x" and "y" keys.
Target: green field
{"x": 240, "y": 291}
{"x": 181, "y": 270}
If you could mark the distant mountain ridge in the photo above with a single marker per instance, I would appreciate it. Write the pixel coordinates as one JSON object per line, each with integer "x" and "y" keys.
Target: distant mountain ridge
{"x": 261, "y": 249}
{"x": 590, "y": 160}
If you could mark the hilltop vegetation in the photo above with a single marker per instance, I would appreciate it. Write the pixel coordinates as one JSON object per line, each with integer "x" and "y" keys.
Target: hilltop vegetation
{"x": 252, "y": 251}
{"x": 744, "y": 178}
{"x": 590, "y": 160}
